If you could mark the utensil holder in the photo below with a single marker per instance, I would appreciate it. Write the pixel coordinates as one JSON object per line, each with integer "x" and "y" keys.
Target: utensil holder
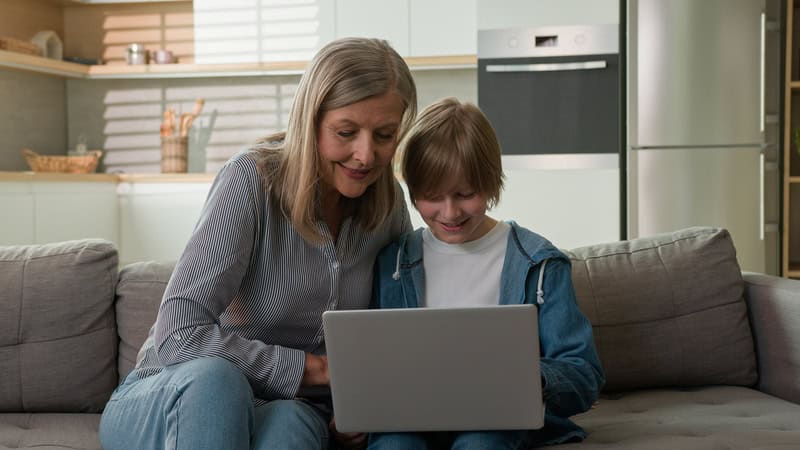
{"x": 174, "y": 154}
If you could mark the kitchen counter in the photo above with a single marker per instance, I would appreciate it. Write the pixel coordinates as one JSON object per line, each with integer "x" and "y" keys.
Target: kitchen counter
{"x": 107, "y": 177}
{"x": 148, "y": 216}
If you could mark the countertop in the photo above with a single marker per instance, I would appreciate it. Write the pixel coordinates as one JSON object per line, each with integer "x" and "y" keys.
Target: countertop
{"x": 106, "y": 177}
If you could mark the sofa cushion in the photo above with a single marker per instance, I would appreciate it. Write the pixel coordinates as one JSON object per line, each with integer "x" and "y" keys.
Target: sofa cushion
{"x": 139, "y": 291}
{"x": 667, "y": 310}
{"x": 42, "y": 431}
{"x": 58, "y": 342}
{"x": 713, "y": 417}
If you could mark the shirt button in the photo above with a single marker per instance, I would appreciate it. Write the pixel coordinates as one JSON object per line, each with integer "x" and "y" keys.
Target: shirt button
{"x": 177, "y": 337}
{"x": 335, "y": 265}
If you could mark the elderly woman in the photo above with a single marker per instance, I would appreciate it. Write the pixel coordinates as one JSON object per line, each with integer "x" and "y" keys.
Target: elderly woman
{"x": 290, "y": 229}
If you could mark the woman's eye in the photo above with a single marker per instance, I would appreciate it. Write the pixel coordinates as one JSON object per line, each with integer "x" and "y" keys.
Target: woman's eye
{"x": 385, "y": 136}
{"x": 346, "y": 133}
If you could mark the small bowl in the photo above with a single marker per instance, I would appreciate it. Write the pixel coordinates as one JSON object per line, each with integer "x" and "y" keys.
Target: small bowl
{"x": 163, "y": 57}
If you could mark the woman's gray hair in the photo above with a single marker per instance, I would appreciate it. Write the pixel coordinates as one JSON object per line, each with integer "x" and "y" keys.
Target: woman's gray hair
{"x": 343, "y": 72}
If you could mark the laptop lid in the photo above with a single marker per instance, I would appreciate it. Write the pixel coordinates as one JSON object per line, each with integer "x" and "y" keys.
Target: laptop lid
{"x": 425, "y": 369}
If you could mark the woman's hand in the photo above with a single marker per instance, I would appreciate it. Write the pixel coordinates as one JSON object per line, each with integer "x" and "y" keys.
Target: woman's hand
{"x": 349, "y": 441}
{"x": 316, "y": 371}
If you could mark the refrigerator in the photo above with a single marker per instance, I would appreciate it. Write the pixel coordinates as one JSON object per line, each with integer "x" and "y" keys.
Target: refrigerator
{"x": 695, "y": 120}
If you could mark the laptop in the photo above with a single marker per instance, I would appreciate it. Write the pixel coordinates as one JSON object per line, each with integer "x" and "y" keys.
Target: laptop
{"x": 427, "y": 369}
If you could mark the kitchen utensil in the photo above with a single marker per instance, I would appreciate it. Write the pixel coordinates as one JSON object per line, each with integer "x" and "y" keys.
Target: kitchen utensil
{"x": 136, "y": 54}
{"x": 174, "y": 154}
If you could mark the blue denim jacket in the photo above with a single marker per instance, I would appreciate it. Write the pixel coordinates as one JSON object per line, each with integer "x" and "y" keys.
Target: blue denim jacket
{"x": 571, "y": 372}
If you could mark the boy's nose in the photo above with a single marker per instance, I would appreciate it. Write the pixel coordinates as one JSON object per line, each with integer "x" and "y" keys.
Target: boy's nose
{"x": 451, "y": 209}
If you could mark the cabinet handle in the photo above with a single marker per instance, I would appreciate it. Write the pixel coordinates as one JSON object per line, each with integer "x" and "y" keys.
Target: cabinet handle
{"x": 549, "y": 67}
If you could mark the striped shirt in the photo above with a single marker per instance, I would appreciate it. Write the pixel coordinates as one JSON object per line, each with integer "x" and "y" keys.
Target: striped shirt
{"x": 250, "y": 289}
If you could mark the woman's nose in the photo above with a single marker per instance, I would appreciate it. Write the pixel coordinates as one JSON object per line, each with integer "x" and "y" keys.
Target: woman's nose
{"x": 364, "y": 151}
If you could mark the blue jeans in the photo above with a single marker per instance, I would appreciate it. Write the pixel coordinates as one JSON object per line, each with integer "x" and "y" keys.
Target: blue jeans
{"x": 206, "y": 403}
{"x": 461, "y": 440}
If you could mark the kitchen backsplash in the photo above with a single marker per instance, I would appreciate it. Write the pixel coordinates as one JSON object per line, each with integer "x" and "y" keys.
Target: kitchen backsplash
{"x": 122, "y": 117}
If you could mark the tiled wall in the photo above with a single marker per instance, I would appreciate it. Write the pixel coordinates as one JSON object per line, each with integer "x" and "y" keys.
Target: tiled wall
{"x": 31, "y": 116}
{"x": 122, "y": 117}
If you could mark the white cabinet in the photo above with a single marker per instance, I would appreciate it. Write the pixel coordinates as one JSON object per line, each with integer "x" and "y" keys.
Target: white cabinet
{"x": 378, "y": 19}
{"x": 443, "y": 27}
{"x": 156, "y": 219}
{"x": 16, "y": 204}
{"x": 251, "y": 31}
{"x": 413, "y": 27}
{"x": 35, "y": 213}
{"x": 146, "y": 220}
{"x": 494, "y": 14}
{"x": 66, "y": 211}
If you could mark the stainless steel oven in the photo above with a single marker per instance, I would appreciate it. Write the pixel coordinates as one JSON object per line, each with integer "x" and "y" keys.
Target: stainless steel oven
{"x": 553, "y": 96}
{"x": 553, "y": 90}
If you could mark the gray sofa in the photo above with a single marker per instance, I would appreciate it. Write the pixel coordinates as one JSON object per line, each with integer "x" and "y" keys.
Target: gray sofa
{"x": 696, "y": 355}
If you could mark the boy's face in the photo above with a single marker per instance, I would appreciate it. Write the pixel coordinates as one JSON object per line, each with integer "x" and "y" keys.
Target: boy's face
{"x": 456, "y": 213}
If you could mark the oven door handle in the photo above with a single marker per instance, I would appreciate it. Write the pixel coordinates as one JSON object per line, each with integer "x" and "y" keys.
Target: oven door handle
{"x": 549, "y": 67}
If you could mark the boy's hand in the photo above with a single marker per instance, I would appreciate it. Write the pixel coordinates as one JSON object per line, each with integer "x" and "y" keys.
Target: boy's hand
{"x": 349, "y": 441}
{"x": 315, "y": 372}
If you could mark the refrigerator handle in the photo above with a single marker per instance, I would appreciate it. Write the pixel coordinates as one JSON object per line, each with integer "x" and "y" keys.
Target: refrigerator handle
{"x": 761, "y": 119}
{"x": 761, "y": 177}
{"x": 762, "y": 79}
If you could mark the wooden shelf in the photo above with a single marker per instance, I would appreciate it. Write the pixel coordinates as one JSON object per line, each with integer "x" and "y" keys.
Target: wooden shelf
{"x": 38, "y": 64}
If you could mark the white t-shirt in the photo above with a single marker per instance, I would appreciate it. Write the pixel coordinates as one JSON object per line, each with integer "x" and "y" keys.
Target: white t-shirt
{"x": 465, "y": 274}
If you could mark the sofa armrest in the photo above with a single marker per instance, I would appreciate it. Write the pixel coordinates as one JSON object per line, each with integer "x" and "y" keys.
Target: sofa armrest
{"x": 774, "y": 308}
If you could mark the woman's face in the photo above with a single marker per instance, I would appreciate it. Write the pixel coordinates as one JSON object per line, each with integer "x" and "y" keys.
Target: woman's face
{"x": 356, "y": 142}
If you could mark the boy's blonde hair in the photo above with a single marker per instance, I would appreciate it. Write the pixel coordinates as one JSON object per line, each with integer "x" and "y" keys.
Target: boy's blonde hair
{"x": 343, "y": 72}
{"x": 451, "y": 138}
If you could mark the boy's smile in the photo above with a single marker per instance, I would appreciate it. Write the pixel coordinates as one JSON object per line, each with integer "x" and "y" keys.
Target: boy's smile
{"x": 456, "y": 214}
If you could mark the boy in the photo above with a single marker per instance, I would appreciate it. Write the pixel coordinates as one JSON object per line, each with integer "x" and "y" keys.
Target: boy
{"x": 452, "y": 166}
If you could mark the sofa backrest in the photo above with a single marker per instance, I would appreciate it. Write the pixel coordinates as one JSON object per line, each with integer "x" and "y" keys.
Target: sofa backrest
{"x": 667, "y": 310}
{"x": 139, "y": 291}
{"x": 58, "y": 347}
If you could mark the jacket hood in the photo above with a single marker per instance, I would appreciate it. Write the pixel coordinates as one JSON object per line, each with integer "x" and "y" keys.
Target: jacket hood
{"x": 532, "y": 246}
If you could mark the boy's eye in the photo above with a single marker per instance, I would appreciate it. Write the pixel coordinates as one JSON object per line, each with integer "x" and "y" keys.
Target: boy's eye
{"x": 466, "y": 194}
{"x": 433, "y": 198}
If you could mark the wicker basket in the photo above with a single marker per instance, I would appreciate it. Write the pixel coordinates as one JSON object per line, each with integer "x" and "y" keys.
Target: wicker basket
{"x": 19, "y": 46}
{"x": 64, "y": 164}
